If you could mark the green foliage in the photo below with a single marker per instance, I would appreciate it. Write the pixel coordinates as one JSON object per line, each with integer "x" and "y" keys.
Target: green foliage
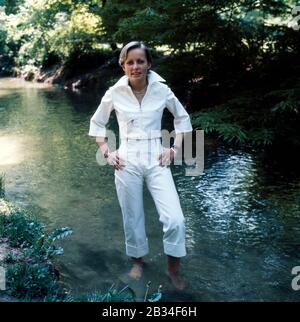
{"x": 229, "y": 47}
{"x": 262, "y": 137}
{"x": 44, "y": 247}
{"x": 289, "y": 101}
{"x": 215, "y": 48}
{"x": 79, "y": 31}
{"x": 126, "y": 294}
{"x": 30, "y": 275}
{"x": 41, "y": 27}
{"x": 215, "y": 122}
{"x": 2, "y": 185}
{"x": 31, "y": 280}
{"x": 230, "y": 132}
{"x": 186, "y": 25}
{"x": 21, "y": 231}
{"x": 11, "y": 258}
{"x": 6, "y": 54}
{"x": 111, "y": 295}
{"x": 26, "y": 232}
{"x": 11, "y": 6}
{"x": 155, "y": 297}
{"x": 254, "y": 120}
{"x": 213, "y": 31}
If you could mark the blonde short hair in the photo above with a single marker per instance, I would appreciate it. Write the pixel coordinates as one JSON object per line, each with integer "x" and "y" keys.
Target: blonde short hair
{"x": 133, "y": 45}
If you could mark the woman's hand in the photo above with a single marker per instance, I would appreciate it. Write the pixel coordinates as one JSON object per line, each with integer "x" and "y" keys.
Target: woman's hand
{"x": 114, "y": 160}
{"x": 166, "y": 157}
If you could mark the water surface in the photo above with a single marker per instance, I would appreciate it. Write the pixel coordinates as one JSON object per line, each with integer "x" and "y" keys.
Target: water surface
{"x": 242, "y": 214}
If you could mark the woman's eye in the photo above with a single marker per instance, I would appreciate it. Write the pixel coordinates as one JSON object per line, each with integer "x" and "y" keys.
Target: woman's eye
{"x": 138, "y": 62}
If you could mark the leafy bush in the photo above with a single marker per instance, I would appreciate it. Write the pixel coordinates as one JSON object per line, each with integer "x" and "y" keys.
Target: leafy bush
{"x": 254, "y": 119}
{"x": 30, "y": 273}
{"x": 31, "y": 281}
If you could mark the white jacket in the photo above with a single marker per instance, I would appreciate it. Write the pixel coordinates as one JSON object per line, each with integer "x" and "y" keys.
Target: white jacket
{"x": 139, "y": 121}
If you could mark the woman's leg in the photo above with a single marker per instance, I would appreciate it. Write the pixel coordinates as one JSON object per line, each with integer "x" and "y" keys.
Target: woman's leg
{"x": 160, "y": 183}
{"x": 137, "y": 267}
{"x": 173, "y": 272}
{"x": 129, "y": 186}
{"x": 162, "y": 188}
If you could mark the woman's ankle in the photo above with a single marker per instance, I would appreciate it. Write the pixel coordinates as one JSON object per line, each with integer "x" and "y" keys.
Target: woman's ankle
{"x": 173, "y": 264}
{"x": 138, "y": 260}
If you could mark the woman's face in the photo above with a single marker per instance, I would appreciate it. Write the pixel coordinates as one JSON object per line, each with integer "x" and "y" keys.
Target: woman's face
{"x": 136, "y": 65}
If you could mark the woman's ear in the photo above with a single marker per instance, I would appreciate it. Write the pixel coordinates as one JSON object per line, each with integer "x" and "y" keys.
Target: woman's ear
{"x": 149, "y": 66}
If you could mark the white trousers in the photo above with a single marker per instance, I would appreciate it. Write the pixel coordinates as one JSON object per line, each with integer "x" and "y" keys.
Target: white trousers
{"x": 141, "y": 165}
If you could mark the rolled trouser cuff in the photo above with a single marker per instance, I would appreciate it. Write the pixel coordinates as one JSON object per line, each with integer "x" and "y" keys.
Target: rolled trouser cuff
{"x": 175, "y": 250}
{"x": 140, "y": 251}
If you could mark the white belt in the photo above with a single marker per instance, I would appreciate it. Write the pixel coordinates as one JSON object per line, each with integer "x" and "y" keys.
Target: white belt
{"x": 141, "y": 137}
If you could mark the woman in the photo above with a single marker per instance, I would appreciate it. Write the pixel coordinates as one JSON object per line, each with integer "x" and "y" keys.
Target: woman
{"x": 139, "y": 98}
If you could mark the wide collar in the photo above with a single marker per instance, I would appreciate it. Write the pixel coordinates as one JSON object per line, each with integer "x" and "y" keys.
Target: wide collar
{"x": 152, "y": 77}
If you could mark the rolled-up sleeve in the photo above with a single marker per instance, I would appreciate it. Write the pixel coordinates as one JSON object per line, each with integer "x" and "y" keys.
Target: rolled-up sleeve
{"x": 182, "y": 122}
{"x": 101, "y": 116}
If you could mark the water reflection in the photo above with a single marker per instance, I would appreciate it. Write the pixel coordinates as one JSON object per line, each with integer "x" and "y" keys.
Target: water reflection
{"x": 11, "y": 150}
{"x": 242, "y": 214}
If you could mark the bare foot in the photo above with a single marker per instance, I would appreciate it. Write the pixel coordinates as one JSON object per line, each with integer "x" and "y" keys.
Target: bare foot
{"x": 136, "y": 271}
{"x": 176, "y": 280}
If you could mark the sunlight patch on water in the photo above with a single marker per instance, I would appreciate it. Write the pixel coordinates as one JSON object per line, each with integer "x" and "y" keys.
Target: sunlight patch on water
{"x": 11, "y": 150}
{"x": 10, "y": 83}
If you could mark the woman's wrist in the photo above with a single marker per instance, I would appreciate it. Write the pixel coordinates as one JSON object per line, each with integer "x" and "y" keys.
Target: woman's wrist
{"x": 175, "y": 148}
{"x": 104, "y": 149}
{"x": 106, "y": 154}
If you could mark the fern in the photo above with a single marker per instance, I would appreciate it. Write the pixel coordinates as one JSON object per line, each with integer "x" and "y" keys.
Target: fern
{"x": 231, "y": 132}
{"x": 263, "y": 136}
{"x": 59, "y": 234}
{"x": 286, "y": 106}
{"x": 214, "y": 121}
